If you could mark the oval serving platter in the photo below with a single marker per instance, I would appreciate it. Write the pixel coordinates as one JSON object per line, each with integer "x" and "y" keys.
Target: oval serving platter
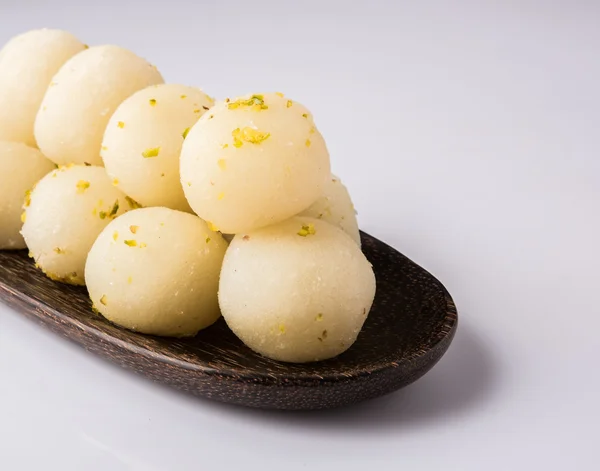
{"x": 409, "y": 328}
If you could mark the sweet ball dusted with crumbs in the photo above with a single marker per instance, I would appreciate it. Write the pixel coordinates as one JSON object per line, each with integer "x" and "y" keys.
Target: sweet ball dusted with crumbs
{"x": 156, "y": 271}
{"x": 82, "y": 97}
{"x": 27, "y": 64}
{"x": 297, "y": 291}
{"x": 21, "y": 167}
{"x": 143, "y": 140}
{"x": 253, "y": 161}
{"x": 335, "y": 206}
{"x": 64, "y": 214}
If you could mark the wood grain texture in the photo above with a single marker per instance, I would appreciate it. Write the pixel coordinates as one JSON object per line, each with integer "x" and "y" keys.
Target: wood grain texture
{"x": 410, "y": 327}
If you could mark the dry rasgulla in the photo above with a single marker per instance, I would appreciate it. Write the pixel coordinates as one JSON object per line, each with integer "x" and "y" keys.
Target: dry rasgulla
{"x": 81, "y": 99}
{"x": 143, "y": 140}
{"x": 297, "y": 291}
{"x": 156, "y": 271}
{"x": 253, "y": 161}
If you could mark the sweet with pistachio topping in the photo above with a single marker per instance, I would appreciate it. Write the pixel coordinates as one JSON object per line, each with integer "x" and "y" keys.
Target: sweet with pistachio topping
{"x": 144, "y": 156}
{"x": 310, "y": 300}
{"x": 71, "y": 128}
{"x": 142, "y": 276}
{"x": 60, "y": 244}
{"x": 20, "y": 168}
{"x": 269, "y": 146}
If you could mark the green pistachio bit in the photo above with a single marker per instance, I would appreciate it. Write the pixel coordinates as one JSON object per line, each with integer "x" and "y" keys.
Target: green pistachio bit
{"x": 82, "y": 185}
{"x": 114, "y": 209}
{"x": 307, "y": 229}
{"x": 248, "y": 134}
{"x": 151, "y": 152}
{"x": 255, "y": 102}
{"x": 133, "y": 204}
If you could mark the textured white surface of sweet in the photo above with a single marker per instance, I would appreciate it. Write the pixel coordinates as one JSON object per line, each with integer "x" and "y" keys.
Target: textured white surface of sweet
{"x": 156, "y": 271}
{"x": 82, "y": 97}
{"x": 253, "y": 161}
{"x": 297, "y": 291}
{"x": 69, "y": 208}
{"x": 143, "y": 139}
{"x": 21, "y": 167}
{"x": 27, "y": 64}
{"x": 335, "y": 206}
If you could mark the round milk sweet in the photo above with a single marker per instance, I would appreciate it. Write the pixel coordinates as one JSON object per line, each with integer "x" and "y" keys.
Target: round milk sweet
{"x": 27, "y": 64}
{"x": 21, "y": 167}
{"x": 66, "y": 211}
{"x": 82, "y": 97}
{"x": 143, "y": 139}
{"x": 335, "y": 206}
{"x": 297, "y": 291}
{"x": 156, "y": 271}
{"x": 253, "y": 161}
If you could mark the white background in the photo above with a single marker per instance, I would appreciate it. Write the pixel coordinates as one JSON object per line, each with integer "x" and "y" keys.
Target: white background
{"x": 469, "y": 136}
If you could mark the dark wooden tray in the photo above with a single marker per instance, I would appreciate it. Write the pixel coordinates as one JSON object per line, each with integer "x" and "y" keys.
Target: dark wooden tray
{"x": 410, "y": 327}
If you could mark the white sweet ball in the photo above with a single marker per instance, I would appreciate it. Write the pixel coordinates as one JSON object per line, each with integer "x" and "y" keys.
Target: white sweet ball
{"x": 143, "y": 140}
{"x": 20, "y": 169}
{"x": 156, "y": 271}
{"x": 297, "y": 291}
{"x": 335, "y": 206}
{"x": 83, "y": 96}
{"x": 27, "y": 64}
{"x": 253, "y": 161}
{"x": 68, "y": 208}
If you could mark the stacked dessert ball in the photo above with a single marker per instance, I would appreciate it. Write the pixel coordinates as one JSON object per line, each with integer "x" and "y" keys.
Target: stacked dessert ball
{"x": 134, "y": 187}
